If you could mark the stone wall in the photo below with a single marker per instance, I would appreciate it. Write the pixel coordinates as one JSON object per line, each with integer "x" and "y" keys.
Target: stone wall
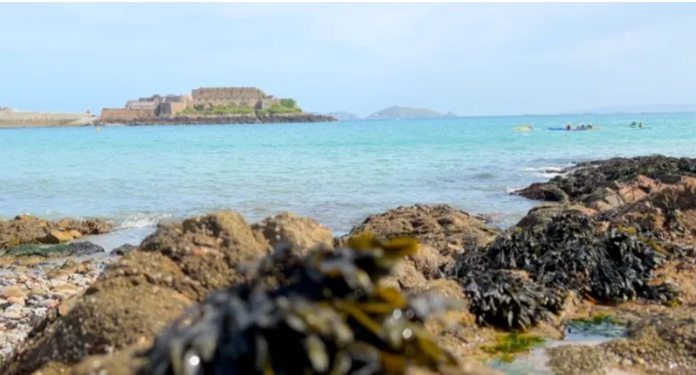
{"x": 126, "y": 114}
{"x": 239, "y": 96}
{"x": 20, "y": 119}
{"x": 170, "y": 109}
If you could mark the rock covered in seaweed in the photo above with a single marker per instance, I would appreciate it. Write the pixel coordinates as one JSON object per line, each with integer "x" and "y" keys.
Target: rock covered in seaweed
{"x": 572, "y": 252}
{"x": 607, "y": 184}
{"x": 332, "y": 316}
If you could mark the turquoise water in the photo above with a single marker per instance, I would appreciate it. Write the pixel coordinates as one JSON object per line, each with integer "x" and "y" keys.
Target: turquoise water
{"x": 337, "y": 173}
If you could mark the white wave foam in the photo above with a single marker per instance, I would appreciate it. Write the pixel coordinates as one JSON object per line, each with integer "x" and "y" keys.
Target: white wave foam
{"x": 545, "y": 172}
{"x": 511, "y": 190}
{"x": 142, "y": 221}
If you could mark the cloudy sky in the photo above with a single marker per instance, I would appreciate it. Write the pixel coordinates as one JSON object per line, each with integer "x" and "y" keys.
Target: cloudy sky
{"x": 472, "y": 59}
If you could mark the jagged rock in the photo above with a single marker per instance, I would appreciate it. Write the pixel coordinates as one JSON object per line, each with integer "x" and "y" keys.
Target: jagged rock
{"x": 143, "y": 291}
{"x": 628, "y": 178}
{"x": 543, "y": 192}
{"x": 300, "y": 234}
{"x": 443, "y": 227}
{"x": 123, "y": 250}
{"x": 211, "y": 249}
{"x": 671, "y": 213}
{"x": 27, "y": 229}
{"x": 540, "y": 215}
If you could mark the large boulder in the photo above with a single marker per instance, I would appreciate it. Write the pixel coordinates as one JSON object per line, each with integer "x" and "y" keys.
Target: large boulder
{"x": 446, "y": 229}
{"x": 140, "y": 293}
{"x": 299, "y": 233}
{"x": 541, "y": 214}
{"x": 212, "y": 249}
{"x": 27, "y": 229}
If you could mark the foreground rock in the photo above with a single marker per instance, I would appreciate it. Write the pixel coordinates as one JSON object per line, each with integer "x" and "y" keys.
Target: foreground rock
{"x": 26, "y": 229}
{"x": 446, "y": 229}
{"x": 142, "y": 291}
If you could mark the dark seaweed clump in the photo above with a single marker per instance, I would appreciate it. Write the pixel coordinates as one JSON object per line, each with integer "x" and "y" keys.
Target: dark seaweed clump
{"x": 328, "y": 314}
{"x": 570, "y": 253}
{"x": 586, "y": 177}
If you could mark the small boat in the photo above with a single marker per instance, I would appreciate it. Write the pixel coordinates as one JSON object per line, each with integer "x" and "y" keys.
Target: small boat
{"x": 572, "y": 129}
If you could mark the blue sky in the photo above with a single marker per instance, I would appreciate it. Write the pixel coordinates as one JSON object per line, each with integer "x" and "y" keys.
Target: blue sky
{"x": 472, "y": 59}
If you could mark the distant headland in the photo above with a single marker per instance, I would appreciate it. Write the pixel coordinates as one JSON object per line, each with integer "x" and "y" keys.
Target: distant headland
{"x": 396, "y": 112}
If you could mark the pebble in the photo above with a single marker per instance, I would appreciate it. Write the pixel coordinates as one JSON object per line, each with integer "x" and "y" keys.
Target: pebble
{"x": 25, "y": 298}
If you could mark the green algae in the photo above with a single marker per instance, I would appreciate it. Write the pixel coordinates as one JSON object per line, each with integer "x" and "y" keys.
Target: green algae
{"x": 31, "y": 249}
{"x": 511, "y": 344}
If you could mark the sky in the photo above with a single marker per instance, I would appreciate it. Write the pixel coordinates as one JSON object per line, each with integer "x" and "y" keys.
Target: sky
{"x": 469, "y": 58}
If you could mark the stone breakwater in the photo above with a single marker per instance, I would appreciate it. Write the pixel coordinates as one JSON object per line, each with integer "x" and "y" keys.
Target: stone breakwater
{"x": 256, "y": 118}
{"x": 632, "y": 260}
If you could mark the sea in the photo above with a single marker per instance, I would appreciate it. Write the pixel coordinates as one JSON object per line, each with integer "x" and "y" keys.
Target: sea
{"x": 338, "y": 173}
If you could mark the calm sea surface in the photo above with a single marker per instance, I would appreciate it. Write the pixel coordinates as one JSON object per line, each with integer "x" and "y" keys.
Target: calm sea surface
{"x": 337, "y": 173}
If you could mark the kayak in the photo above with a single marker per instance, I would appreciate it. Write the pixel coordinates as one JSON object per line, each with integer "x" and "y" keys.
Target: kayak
{"x": 573, "y": 129}
{"x": 522, "y": 128}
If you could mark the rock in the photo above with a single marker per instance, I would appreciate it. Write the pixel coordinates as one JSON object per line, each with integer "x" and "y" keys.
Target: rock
{"x": 541, "y": 214}
{"x": 83, "y": 248}
{"x": 12, "y": 291}
{"x": 445, "y": 228}
{"x": 543, "y": 192}
{"x": 214, "y": 250}
{"x": 16, "y": 300}
{"x": 301, "y": 234}
{"x": 13, "y": 315}
{"x": 26, "y": 229}
{"x": 628, "y": 177}
{"x": 123, "y": 250}
{"x": 65, "y": 290}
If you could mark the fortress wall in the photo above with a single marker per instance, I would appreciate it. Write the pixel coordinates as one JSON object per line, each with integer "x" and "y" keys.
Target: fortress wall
{"x": 11, "y": 118}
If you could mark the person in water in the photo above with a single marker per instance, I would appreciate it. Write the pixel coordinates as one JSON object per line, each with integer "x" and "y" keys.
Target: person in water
{"x": 531, "y": 127}
{"x": 567, "y": 126}
{"x": 633, "y": 124}
{"x": 589, "y": 126}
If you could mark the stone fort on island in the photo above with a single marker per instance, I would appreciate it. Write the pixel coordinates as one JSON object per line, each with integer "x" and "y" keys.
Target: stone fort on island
{"x": 168, "y": 106}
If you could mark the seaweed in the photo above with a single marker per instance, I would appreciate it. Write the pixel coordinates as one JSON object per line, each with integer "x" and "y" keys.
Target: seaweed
{"x": 31, "y": 249}
{"x": 326, "y": 313}
{"x": 569, "y": 253}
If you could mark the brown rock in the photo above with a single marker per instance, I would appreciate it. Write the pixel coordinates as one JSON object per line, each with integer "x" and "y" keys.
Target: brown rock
{"x": 75, "y": 234}
{"x": 301, "y": 234}
{"x": 214, "y": 249}
{"x": 16, "y": 300}
{"x": 12, "y": 291}
{"x": 56, "y": 237}
{"x": 443, "y": 227}
{"x": 25, "y": 229}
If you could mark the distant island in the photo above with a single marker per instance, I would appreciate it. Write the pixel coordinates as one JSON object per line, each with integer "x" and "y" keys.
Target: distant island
{"x": 343, "y": 116}
{"x": 210, "y": 105}
{"x": 396, "y": 112}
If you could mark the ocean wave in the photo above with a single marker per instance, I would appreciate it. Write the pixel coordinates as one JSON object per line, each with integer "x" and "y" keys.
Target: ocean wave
{"x": 511, "y": 190}
{"x": 545, "y": 172}
{"x": 142, "y": 221}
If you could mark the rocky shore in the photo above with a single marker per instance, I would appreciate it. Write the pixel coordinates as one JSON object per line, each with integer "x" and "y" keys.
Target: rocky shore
{"x": 254, "y": 118}
{"x": 415, "y": 289}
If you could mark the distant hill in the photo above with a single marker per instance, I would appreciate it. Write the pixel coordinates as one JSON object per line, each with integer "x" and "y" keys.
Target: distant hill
{"x": 637, "y": 109}
{"x": 343, "y": 116}
{"x": 406, "y": 112}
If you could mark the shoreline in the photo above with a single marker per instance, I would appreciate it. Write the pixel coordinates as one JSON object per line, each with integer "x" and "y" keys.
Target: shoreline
{"x": 458, "y": 250}
{"x": 256, "y": 118}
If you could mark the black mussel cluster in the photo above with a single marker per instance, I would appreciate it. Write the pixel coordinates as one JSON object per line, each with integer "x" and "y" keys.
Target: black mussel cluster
{"x": 326, "y": 314}
{"x": 570, "y": 253}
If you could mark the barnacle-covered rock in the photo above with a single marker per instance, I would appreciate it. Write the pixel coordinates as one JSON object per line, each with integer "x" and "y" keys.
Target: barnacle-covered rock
{"x": 613, "y": 182}
{"x": 330, "y": 315}
{"x": 446, "y": 229}
{"x": 301, "y": 234}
